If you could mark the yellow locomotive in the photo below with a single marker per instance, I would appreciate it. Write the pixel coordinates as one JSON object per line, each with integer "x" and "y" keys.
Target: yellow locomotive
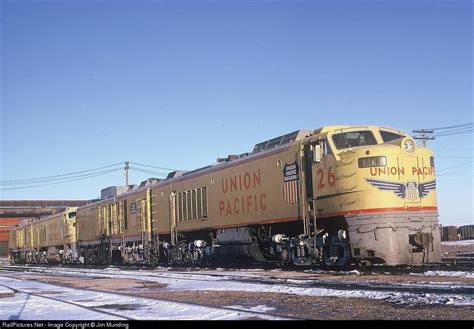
{"x": 331, "y": 196}
{"x": 52, "y": 239}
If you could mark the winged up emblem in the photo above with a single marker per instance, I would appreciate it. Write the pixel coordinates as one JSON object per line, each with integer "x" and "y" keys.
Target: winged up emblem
{"x": 410, "y": 190}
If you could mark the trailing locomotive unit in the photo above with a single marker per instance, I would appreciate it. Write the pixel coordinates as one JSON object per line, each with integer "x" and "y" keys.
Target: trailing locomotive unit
{"x": 117, "y": 229}
{"x": 48, "y": 240}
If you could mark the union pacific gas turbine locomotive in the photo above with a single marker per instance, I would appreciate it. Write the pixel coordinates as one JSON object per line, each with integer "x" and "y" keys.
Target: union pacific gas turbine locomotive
{"x": 331, "y": 196}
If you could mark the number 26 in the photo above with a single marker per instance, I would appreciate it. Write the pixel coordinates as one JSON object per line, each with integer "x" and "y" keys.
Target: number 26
{"x": 331, "y": 178}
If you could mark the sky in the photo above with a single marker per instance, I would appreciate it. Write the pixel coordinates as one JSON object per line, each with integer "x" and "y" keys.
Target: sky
{"x": 177, "y": 84}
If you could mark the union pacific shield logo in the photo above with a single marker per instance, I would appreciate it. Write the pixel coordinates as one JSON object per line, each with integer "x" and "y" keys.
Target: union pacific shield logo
{"x": 290, "y": 182}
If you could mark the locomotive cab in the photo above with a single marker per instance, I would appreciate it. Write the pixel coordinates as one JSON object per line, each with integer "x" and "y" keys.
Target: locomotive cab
{"x": 379, "y": 186}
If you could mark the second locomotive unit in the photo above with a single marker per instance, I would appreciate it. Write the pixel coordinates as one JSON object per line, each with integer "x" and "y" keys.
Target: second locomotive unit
{"x": 332, "y": 196}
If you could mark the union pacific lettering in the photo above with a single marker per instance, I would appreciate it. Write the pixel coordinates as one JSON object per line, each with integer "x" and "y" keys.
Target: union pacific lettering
{"x": 250, "y": 202}
{"x": 399, "y": 171}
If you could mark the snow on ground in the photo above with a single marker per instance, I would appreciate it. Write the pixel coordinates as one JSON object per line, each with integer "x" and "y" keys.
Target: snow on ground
{"x": 258, "y": 308}
{"x": 457, "y": 243}
{"x": 27, "y": 307}
{"x": 389, "y": 296}
{"x": 462, "y": 274}
{"x": 187, "y": 282}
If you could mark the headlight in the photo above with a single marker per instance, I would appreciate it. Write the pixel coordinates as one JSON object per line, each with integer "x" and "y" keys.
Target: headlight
{"x": 380, "y": 161}
{"x": 408, "y": 145}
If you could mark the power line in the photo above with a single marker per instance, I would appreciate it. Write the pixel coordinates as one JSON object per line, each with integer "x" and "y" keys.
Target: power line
{"x": 455, "y": 130}
{"x": 431, "y": 134}
{"x": 65, "y": 181}
{"x": 446, "y": 179}
{"x": 458, "y": 132}
{"x": 77, "y": 175}
{"x": 451, "y": 157}
{"x": 149, "y": 171}
{"x": 456, "y": 126}
{"x": 54, "y": 177}
{"x": 150, "y": 166}
{"x": 451, "y": 173}
{"x": 455, "y": 166}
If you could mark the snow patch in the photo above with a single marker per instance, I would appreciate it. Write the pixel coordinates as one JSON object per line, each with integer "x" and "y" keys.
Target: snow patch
{"x": 208, "y": 283}
{"x": 258, "y": 308}
{"x": 413, "y": 300}
{"x": 5, "y": 290}
{"x": 80, "y": 305}
{"x": 458, "y": 274}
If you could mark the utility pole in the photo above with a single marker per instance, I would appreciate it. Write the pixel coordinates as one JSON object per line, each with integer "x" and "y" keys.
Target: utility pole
{"x": 126, "y": 173}
{"x": 424, "y": 135}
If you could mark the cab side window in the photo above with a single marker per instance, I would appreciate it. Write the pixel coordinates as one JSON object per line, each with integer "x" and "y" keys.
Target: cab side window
{"x": 389, "y": 136}
{"x": 327, "y": 147}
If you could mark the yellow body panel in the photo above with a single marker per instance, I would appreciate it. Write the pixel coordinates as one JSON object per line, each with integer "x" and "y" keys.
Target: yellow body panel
{"x": 52, "y": 238}
{"x": 239, "y": 193}
{"x": 352, "y": 193}
{"x": 122, "y": 216}
{"x": 54, "y": 230}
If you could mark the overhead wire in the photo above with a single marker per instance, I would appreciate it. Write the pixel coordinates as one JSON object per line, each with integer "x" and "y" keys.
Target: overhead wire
{"x": 150, "y": 166}
{"x": 55, "y": 177}
{"x": 432, "y": 133}
{"x": 148, "y": 171}
{"x": 454, "y": 130}
{"x": 14, "y": 184}
{"x": 65, "y": 181}
{"x": 451, "y": 127}
{"x": 455, "y": 166}
{"x": 452, "y": 133}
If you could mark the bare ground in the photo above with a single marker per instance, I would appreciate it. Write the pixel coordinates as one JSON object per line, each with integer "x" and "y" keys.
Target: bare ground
{"x": 303, "y": 307}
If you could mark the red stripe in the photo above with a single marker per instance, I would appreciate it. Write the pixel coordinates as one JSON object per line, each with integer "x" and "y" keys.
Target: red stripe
{"x": 296, "y": 191}
{"x": 288, "y": 192}
{"x": 377, "y": 210}
{"x": 292, "y": 192}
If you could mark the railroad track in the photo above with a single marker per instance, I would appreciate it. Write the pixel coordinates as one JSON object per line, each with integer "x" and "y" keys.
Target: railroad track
{"x": 118, "y": 315}
{"x": 253, "y": 278}
{"x": 462, "y": 262}
{"x": 88, "y": 308}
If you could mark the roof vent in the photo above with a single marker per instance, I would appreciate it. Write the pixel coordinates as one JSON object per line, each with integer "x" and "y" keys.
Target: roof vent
{"x": 281, "y": 140}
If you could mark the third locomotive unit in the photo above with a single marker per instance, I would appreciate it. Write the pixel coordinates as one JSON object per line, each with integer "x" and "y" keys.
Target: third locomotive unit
{"x": 332, "y": 196}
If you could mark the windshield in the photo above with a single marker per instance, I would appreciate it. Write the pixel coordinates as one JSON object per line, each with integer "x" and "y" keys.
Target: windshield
{"x": 353, "y": 139}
